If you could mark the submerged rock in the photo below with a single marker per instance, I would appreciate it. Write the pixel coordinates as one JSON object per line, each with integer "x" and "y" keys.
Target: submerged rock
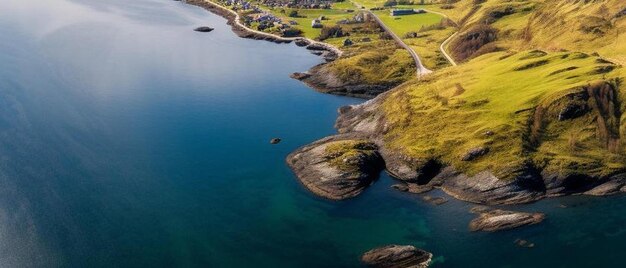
{"x": 498, "y": 220}
{"x": 397, "y": 256}
{"x": 337, "y": 167}
{"x": 434, "y": 200}
{"x": 203, "y": 29}
{"x": 524, "y": 243}
{"x": 400, "y": 187}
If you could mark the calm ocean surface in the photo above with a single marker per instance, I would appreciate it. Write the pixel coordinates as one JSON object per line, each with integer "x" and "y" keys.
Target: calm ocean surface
{"x": 128, "y": 140}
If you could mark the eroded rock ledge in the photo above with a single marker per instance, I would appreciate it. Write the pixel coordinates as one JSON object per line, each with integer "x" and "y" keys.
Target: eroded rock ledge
{"x": 397, "y": 256}
{"x": 498, "y": 220}
{"x": 337, "y": 167}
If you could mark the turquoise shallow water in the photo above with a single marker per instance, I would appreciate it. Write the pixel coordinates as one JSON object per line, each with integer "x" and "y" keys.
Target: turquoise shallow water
{"x": 129, "y": 140}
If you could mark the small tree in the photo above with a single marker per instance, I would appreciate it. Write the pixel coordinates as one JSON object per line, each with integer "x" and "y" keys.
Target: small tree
{"x": 390, "y": 3}
{"x": 293, "y": 14}
{"x": 331, "y": 32}
{"x": 292, "y": 32}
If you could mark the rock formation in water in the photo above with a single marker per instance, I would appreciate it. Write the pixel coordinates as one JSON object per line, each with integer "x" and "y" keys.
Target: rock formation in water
{"x": 337, "y": 167}
{"x": 498, "y": 220}
{"x": 397, "y": 256}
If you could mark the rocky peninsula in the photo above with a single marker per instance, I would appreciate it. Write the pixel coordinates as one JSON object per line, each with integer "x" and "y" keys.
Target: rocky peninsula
{"x": 337, "y": 167}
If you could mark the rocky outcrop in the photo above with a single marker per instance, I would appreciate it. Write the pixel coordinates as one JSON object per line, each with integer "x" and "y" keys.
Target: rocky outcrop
{"x": 608, "y": 188}
{"x": 498, "y": 220}
{"x": 337, "y": 167}
{"x": 325, "y": 80}
{"x": 475, "y": 153}
{"x": 397, "y": 256}
{"x": 486, "y": 188}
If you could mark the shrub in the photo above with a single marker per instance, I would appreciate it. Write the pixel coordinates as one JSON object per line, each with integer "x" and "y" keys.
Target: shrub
{"x": 390, "y": 3}
{"x": 331, "y": 32}
{"x": 469, "y": 42}
{"x": 292, "y": 32}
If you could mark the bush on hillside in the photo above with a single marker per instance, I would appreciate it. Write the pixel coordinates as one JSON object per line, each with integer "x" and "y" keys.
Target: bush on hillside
{"x": 331, "y": 32}
{"x": 472, "y": 40}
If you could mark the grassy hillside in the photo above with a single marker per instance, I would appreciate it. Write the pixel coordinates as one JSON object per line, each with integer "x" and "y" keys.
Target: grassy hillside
{"x": 573, "y": 25}
{"x": 514, "y": 108}
{"x": 423, "y": 32}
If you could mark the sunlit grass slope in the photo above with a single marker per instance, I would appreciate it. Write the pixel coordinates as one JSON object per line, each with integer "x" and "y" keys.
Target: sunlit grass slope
{"x": 510, "y": 103}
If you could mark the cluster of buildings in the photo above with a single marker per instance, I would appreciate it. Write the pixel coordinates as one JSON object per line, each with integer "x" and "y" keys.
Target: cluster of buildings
{"x": 311, "y": 4}
{"x": 240, "y": 4}
{"x": 359, "y": 17}
{"x": 401, "y": 12}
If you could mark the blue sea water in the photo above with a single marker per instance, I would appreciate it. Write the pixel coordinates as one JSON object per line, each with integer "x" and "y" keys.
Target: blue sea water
{"x": 129, "y": 140}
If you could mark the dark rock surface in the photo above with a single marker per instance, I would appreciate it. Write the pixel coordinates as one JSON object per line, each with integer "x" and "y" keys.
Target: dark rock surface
{"x": 300, "y": 76}
{"x": 475, "y": 153}
{"x": 397, "y": 256}
{"x": 203, "y": 29}
{"x": 498, "y": 220}
{"x": 302, "y": 42}
{"x": 341, "y": 174}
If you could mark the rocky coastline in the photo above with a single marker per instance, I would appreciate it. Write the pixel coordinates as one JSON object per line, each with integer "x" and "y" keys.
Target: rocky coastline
{"x": 529, "y": 183}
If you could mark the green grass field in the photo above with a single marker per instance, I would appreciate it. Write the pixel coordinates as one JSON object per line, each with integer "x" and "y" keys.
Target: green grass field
{"x": 344, "y": 5}
{"x": 449, "y": 112}
{"x": 407, "y": 23}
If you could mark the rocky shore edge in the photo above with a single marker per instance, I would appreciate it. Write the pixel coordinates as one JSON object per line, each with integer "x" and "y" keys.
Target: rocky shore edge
{"x": 325, "y": 81}
{"x": 366, "y": 122}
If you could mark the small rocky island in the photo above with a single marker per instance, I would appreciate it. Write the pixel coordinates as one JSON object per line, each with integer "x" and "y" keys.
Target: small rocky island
{"x": 397, "y": 256}
{"x": 203, "y": 29}
{"x": 498, "y": 220}
{"x": 337, "y": 167}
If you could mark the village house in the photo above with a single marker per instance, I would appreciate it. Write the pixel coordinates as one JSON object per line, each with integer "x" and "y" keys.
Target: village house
{"x": 401, "y": 12}
{"x": 316, "y": 23}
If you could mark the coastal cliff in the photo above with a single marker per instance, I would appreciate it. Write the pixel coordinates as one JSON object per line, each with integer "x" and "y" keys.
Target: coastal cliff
{"x": 476, "y": 147}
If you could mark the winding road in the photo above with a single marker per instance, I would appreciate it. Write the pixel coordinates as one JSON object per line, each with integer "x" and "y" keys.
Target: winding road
{"x": 421, "y": 69}
{"x": 443, "y": 45}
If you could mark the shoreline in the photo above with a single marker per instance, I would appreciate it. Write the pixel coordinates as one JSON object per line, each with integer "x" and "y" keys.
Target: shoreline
{"x": 312, "y": 78}
{"x": 244, "y": 32}
{"x": 363, "y": 122}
